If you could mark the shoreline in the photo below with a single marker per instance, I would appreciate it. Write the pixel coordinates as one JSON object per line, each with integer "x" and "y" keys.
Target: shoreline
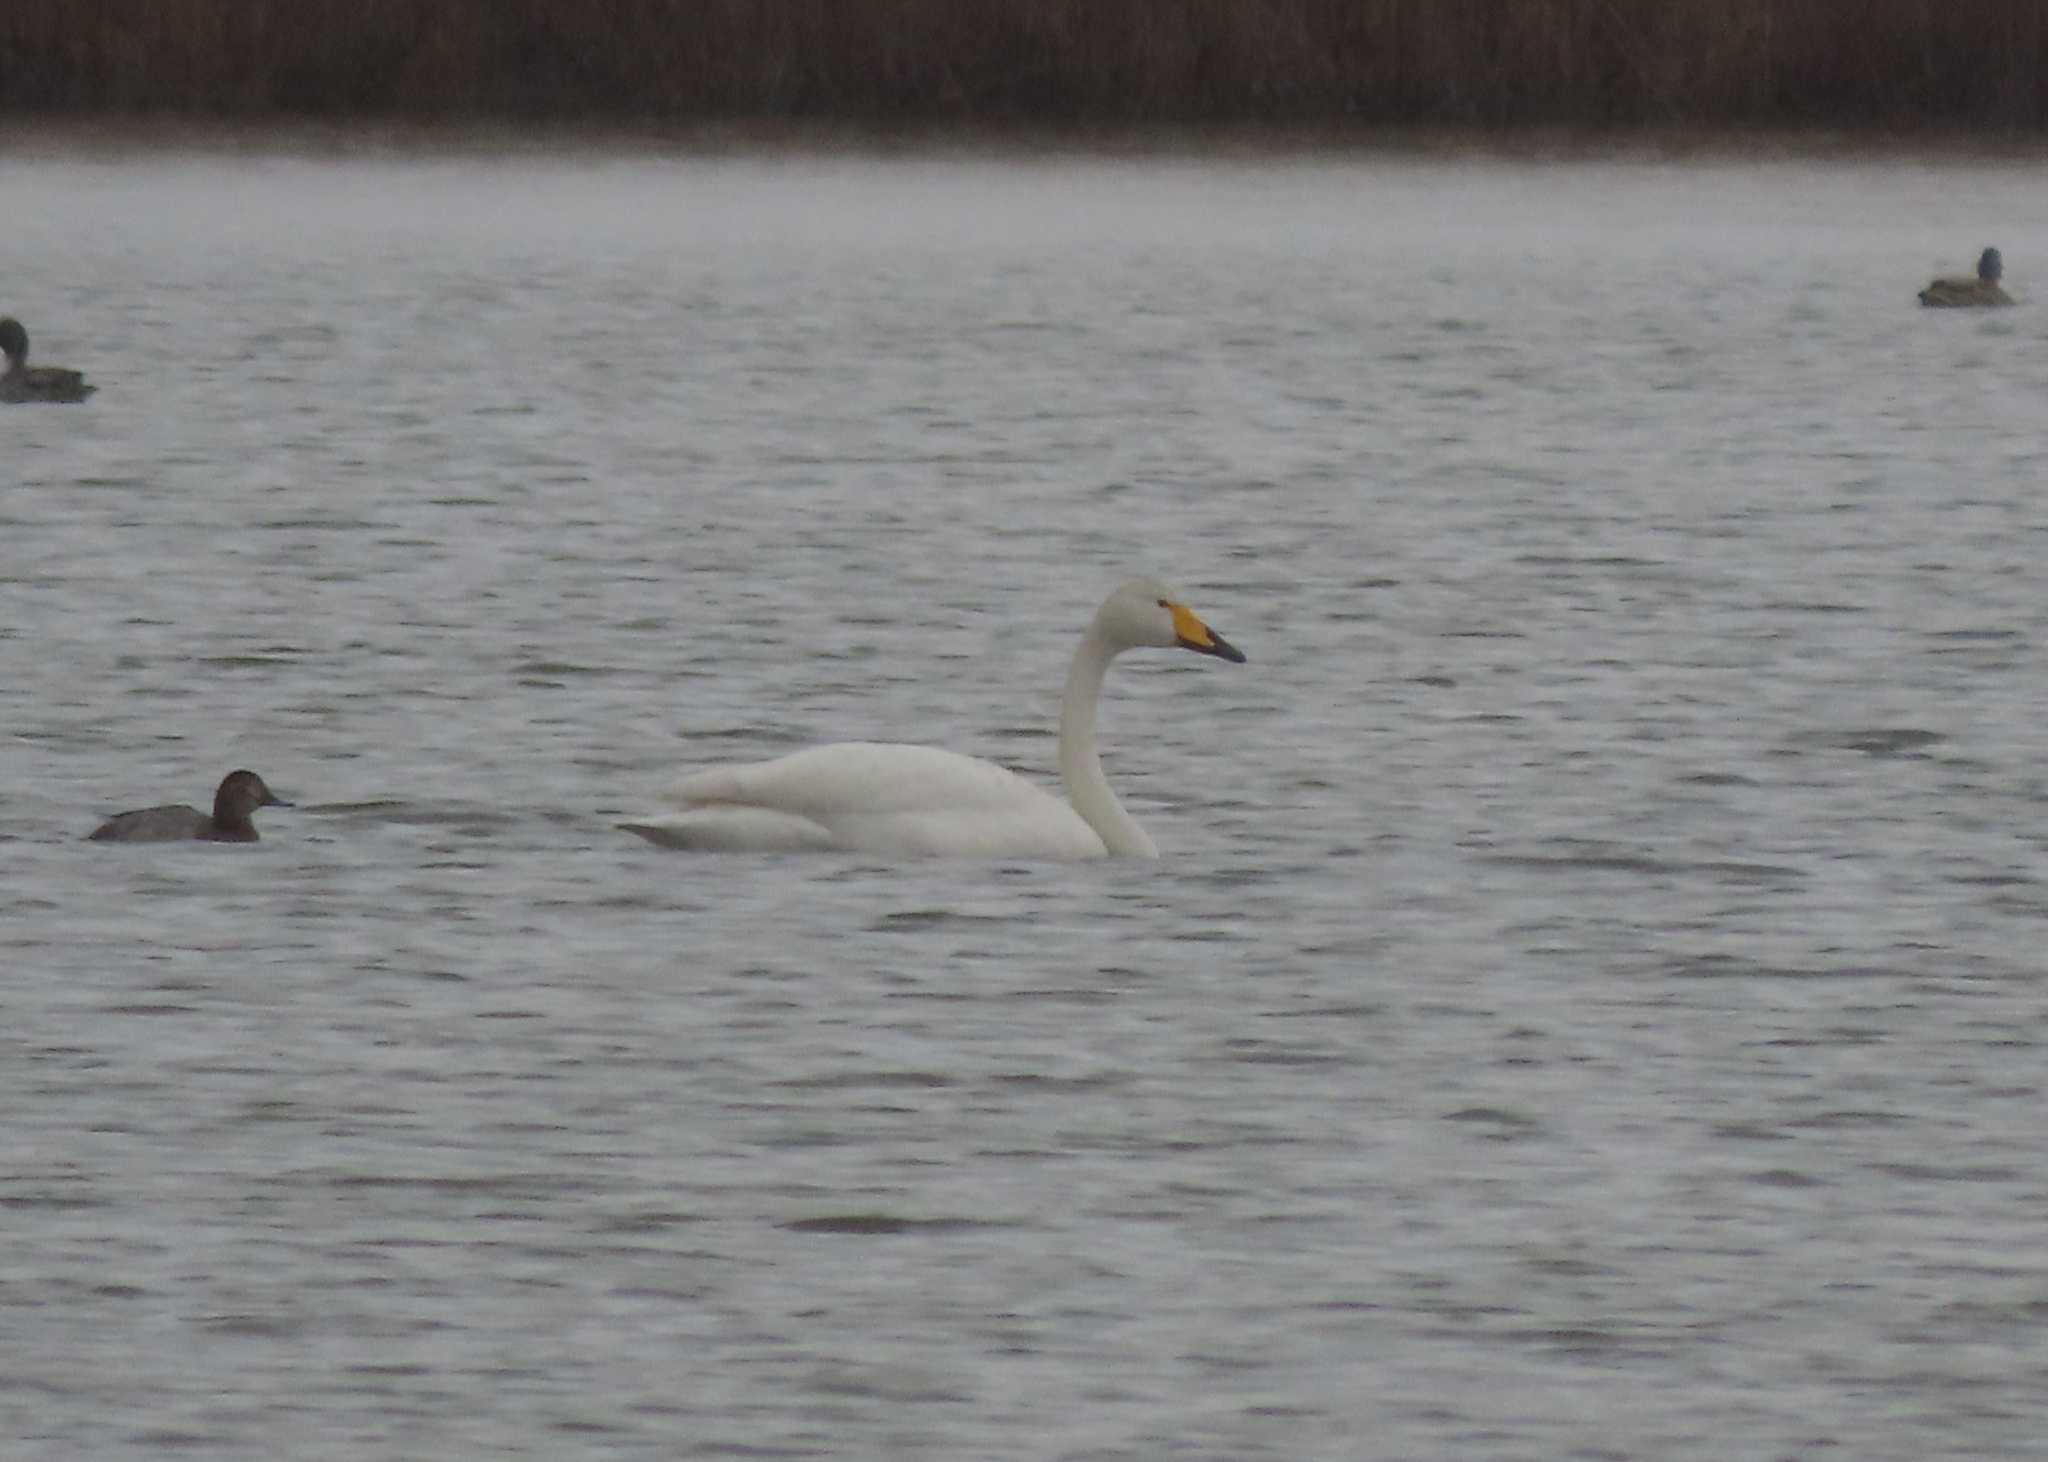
{"x": 114, "y": 137}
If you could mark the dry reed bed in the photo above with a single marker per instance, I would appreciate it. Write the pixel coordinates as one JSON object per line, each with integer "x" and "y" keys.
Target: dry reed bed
{"x": 1970, "y": 63}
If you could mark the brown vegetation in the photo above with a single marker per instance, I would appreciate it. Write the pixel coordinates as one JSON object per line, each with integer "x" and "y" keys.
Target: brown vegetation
{"x": 1880, "y": 63}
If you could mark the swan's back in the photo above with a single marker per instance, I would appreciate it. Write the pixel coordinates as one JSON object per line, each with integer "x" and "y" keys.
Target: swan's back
{"x": 859, "y": 776}
{"x": 875, "y": 796}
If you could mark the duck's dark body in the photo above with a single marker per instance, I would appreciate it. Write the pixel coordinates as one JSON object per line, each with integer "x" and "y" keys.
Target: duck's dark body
{"x": 1960, "y": 291}
{"x": 23, "y": 382}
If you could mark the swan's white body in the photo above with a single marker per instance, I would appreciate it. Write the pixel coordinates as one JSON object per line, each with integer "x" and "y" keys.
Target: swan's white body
{"x": 879, "y": 797}
{"x": 918, "y": 800}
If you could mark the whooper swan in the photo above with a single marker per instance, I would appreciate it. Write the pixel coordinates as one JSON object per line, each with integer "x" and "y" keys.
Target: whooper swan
{"x": 906, "y": 800}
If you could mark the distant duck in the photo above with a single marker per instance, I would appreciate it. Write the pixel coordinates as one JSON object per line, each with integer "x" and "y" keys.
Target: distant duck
{"x": 240, "y": 794}
{"x": 43, "y": 383}
{"x": 1960, "y": 291}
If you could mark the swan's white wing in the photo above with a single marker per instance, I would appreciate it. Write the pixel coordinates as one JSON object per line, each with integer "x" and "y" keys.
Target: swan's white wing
{"x": 877, "y": 797}
{"x": 858, "y": 776}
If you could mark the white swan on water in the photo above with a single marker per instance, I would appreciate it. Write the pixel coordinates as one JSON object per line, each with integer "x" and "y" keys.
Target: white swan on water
{"x": 889, "y": 798}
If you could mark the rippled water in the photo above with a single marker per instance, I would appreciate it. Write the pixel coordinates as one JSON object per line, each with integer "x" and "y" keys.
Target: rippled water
{"x": 1590, "y": 1005}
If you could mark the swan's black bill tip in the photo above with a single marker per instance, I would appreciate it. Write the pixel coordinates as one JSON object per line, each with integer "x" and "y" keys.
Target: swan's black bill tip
{"x": 1221, "y": 648}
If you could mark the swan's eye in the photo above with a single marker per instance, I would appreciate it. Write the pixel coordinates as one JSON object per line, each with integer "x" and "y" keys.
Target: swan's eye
{"x": 1164, "y": 605}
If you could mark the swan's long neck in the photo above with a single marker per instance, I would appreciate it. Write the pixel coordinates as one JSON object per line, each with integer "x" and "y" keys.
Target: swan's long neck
{"x": 1080, "y": 768}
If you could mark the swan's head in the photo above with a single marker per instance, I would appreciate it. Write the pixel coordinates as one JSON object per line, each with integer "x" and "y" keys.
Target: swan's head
{"x": 1146, "y": 613}
{"x": 13, "y": 339}
{"x": 1990, "y": 266}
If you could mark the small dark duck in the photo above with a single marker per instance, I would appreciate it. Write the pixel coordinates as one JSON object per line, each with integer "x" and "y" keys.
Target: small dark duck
{"x": 41, "y": 383}
{"x": 1959, "y": 291}
{"x": 240, "y": 794}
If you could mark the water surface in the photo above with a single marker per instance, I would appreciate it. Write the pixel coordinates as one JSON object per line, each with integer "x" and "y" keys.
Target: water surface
{"x": 1590, "y": 1004}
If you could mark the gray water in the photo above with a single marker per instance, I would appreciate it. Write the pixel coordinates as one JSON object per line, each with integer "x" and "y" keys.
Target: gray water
{"x": 1590, "y": 1001}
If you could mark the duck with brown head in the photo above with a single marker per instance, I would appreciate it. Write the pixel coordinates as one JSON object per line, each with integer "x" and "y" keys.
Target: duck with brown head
{"x": 22, "y": 382}
{"x": 240, "y": 794}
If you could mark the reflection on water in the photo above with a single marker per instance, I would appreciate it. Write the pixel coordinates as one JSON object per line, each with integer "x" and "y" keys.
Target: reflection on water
{"x": 1587, "y": 1002}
